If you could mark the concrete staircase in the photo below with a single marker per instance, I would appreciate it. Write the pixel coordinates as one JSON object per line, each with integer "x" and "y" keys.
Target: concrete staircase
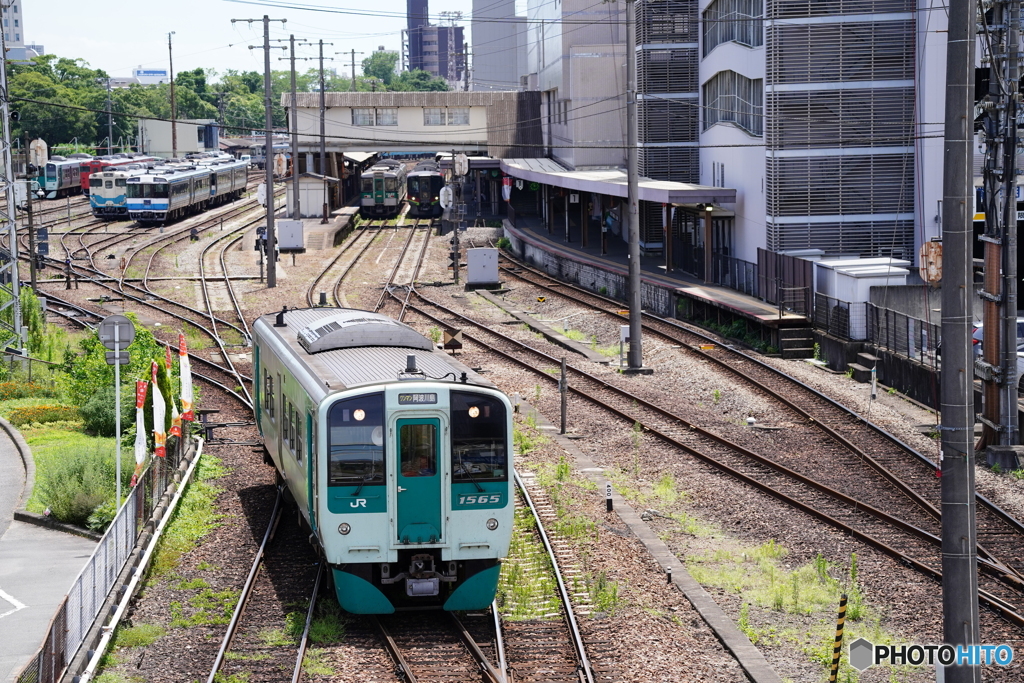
{"x": 862, "y": 368}
{"x": 796, "y": 342}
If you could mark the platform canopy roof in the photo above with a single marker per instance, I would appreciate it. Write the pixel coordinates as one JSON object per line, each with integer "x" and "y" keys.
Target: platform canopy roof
{"x": 613, "y": 182}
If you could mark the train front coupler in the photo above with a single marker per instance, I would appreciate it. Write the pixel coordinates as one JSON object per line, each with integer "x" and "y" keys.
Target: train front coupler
{"x": 421, "y": 578}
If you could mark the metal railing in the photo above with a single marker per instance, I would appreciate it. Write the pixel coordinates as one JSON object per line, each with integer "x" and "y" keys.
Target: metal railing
{"x": 511, "y": 214}
{"x": 900, "y": 333}
{"x": 734, "y": 273}
{"x": 840, "y": 318}
{"x": 77, "y": 612}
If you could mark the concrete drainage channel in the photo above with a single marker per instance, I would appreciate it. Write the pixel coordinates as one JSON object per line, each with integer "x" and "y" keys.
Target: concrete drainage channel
{"x": 97, "y": 640}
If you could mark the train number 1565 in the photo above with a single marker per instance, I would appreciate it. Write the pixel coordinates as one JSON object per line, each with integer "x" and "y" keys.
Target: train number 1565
{"x": 481, "y": 499}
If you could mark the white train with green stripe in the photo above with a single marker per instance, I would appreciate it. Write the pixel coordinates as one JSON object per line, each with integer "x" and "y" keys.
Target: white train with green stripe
{"x": 398, "y": 457}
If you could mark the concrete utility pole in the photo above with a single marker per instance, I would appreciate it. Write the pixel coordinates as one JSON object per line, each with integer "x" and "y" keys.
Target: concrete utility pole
{"x": 636, "y": 355}
{"x": 110, "y": 122}
{"x": 33, "y": 258}
{"x": 174, "y": 105}
{"x": 297, "y": 215}
{"x": 959, "y": 537}
{"x": 268, "y": 153}
{"x": 323, "y": 131}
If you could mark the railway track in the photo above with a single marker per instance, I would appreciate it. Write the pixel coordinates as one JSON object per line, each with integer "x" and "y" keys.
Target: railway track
{"x": 339, "y": 267}
{"x": 1000, "y": 536}
{"x": 907, "y": 543}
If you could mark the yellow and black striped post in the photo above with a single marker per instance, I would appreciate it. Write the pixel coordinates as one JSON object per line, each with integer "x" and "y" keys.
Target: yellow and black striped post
{"x": 837, "y": 650}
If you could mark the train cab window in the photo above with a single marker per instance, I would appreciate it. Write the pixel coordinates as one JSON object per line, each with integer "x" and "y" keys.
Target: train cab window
{"x": 479, "y": 438}
{"x": 367, "y": 185}
{"x": 120, "y": 182}
{"x": 95, "y": 182}
{"x": 390, "y": 184}
{"x": 108, "y": 184}
{"x": 355, "y": 441}
{"x": 418, "y": 456}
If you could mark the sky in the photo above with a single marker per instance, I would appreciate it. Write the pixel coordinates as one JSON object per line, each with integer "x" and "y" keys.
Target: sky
{"x": 119, "y": 35}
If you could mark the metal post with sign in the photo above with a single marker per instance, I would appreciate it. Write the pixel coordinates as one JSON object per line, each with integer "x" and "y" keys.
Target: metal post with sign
{"x": 117, "y": 332}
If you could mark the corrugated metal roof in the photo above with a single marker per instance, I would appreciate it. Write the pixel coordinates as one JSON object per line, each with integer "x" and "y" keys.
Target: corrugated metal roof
{"x": 342, "y": 368}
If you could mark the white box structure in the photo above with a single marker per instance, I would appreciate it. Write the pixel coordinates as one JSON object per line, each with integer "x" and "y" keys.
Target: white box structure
{"x": 289, "y": 235}
{"x": 482, "y": 267}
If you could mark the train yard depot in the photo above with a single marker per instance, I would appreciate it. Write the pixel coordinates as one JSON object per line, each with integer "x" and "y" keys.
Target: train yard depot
{"x": 604, "y": 355}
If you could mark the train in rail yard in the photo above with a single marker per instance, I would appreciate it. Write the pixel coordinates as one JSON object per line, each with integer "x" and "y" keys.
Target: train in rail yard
{"x": 383, "y": 189}
{"x": 398, "y": 457}
{"x": 107, "y": 195}
{"x": 174, "y": 190}
{"x": 424, "y": 183}
{"x": 109, "y": 162}
{"x": 62, "y": 176}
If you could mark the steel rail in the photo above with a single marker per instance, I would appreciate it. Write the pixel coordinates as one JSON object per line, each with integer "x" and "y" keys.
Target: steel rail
{"x": 243, "y": 598}
{"x": 344, "y": 273}
{"x": 354, "y": 238}
{"x": 404, "y": 670}
{"x": 570, "y": 614}
{"x": 997, "y": 604}
{"x": 486, "y": 668}
{"x": 231, "y": 289}
{"x": 499, "y": 639}
{"x": 304, "y": 640}
{"x": 416, "y": 271}
{"x": 394, "y": 270}
{"x": 246, "y": 340}
{"x": 781, "y": 396}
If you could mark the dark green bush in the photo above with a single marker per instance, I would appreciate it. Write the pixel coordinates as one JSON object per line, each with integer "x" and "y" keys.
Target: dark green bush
{"x": 98, "y": 411}
{"x": 79, "y": 480}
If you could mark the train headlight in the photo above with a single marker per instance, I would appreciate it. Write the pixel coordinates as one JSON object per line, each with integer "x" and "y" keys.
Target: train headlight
{"x": 474, "y": 411}
{"x": 492, "y": 524}
{"x": 359, "y": 414}
{"x": 344, "y": 528}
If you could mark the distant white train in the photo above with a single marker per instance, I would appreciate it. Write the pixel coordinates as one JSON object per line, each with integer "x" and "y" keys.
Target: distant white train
{"x": 171, "y": 191}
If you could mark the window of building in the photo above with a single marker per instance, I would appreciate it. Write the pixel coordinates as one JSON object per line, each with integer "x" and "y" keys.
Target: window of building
{"x": 732, "y": 98}
{"x": 458, "y": 116}
{"x": 387, "y": 117}
{"x": 433, "y": 116}
{"x": 17, "y": 37}
{"x": 362, "y": 117}
{"x": 15, "y": 23}
{"x": 7, "y": 23}
{"x": 736, "y": 21}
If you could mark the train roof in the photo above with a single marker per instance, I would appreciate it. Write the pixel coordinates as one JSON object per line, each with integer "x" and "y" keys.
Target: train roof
{"x": 171, "y": 172}
{"x": 340, "y": 348}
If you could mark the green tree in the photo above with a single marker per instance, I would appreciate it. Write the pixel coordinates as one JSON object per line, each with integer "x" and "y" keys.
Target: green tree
{"x": 418, "y": 80}
{"x": 381, "y": 65}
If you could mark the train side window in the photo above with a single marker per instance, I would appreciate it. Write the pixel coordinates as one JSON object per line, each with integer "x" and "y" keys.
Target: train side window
{"x": 298, "y": 436}
{"x": 479, "y": 438}
{"x": 355, "y": 441}
{"x": 268, "y": 393}
{"x": 286, "y": 419}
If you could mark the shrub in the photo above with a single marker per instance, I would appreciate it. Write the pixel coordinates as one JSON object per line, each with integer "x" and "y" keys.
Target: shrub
{"x": 14, "y": 390}
{"x": 43, "y": 414}
{"x": 98, "y": 411}
{"x": 503, "y": 243}
{"x": 77, "y": 480}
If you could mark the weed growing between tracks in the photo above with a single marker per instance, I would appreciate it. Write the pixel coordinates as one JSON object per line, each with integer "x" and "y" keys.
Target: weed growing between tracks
{"x": 526, "y": 588}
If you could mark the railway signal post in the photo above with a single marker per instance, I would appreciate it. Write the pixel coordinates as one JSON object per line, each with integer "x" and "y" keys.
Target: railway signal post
{"x": 117, "y": 332}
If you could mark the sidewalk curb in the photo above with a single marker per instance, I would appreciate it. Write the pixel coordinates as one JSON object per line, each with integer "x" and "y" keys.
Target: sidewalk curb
{"x": 750, "y": 659}
{"x": 52, "y": 524}
{"x": 26, "y": 457}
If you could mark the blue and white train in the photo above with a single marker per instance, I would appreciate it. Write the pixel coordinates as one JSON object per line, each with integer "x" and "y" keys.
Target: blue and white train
{"x": 107, "y": 190}
{"x": 169, "y": 192}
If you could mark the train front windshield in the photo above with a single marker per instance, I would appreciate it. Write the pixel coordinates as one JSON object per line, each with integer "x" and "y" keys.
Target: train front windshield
{"x": 147, "y": 191}
{"x": 355, "y": 441}
{"x": 479, "y": 450}
{"x": 51, "y": 171}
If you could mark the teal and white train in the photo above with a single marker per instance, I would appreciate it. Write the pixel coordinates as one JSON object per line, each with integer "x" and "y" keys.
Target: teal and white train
{"x": 399, "y": 458}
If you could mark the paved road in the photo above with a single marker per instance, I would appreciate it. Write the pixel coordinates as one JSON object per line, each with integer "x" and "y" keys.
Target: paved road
{"x": 12, "y": 481}
{"x": 37, "y": 567}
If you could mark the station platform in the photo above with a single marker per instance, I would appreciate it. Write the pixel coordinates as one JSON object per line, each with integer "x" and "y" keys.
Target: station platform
{"x": 530, "y": 236}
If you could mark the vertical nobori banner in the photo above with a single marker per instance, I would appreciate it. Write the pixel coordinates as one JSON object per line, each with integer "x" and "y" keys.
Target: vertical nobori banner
{"x": 169, "y": 362}
{"x": 185, "y": 375}
{"x": 159, "y": 435}
{"x": 140, "y": 429}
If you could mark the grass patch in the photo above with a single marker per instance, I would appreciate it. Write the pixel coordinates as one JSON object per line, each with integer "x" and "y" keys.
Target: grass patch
{"x": 604, "y": 593}
{"x": 315, "y": 664}
{"x": 140, "y": 635}
{"x": 195, "y": 517}
{"x": 208, "y": 608}
{"x": 196, "y": 338}
{"x": 240, "y": 677}
{"x": 525, "y": 436}
{"x": 526, "y": 587}
{"x": 191, "y": 584}
{"x": 328, "y": 625}
{"x": 238, "y": 656}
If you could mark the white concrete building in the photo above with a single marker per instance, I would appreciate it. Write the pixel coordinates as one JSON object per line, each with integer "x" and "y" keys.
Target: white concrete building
{"x": 14, "y": 33}
{"x": 199, "y": 135}
{"x": 499, "y": 42}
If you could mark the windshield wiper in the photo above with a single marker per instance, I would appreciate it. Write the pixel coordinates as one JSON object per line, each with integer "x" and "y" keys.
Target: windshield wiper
{"x": 479, "y": 488}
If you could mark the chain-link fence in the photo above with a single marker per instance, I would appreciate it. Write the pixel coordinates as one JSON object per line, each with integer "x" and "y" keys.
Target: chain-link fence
{"x": 80, "y": 608}
{"x": 897, "y": 332}
{"x": 840, "y": 318}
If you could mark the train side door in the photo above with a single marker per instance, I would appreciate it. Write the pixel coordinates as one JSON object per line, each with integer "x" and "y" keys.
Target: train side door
{"x": 378, "y": 189}
{"x": 419, "y": 480}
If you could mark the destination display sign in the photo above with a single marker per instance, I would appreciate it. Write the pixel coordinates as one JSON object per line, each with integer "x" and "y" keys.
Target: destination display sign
{"x": 416, "y": 399}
